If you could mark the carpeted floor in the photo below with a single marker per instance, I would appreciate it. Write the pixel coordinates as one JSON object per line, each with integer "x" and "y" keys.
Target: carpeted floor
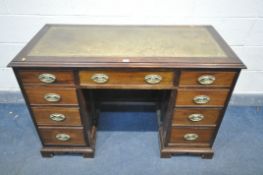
{"x": 127, "y": 144}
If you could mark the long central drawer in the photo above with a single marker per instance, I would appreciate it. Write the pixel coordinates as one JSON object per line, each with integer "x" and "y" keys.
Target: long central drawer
{"x": 127, "y": 79}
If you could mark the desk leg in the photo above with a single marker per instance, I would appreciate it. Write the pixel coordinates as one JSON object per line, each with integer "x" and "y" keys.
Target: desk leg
{"x": 47, "y": 154}
{"x": 166, "y": 155}
{"x": 167, "y": 109}
{"x": 207, "y": 156}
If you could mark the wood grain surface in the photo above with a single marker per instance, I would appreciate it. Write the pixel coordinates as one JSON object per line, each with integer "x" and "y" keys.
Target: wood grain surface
{"x": 180, "y": 116}
{"x": 217, "y": 97}
{"x": 222, "y": 79}
{"x": 72, "y": 116}
{"x": 48, "y": 135}
{"x": 127, "y": 79}
{"x": 36, "y": 95}
{"x": 31, "y": 77}
{"x": 204, "y": 135}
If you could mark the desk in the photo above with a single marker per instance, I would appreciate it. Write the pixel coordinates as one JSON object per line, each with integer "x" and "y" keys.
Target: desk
{"x": 68, "y": 73}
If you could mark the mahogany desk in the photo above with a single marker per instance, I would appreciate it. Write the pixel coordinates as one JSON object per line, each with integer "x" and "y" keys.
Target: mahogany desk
{"x": 67, "y": 73}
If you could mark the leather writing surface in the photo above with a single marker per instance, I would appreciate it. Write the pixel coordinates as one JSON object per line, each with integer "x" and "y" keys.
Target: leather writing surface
{"x": 127, "y": 41}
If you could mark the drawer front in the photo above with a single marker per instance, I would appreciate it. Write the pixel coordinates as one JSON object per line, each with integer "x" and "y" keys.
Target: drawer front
{"x": 206, "y": 79}
{"x": 62, "y": 136}
{"x": 126, "y": 79}
{"x": 192, "y": 135}
{"x": 57, "y": 116}
{"x": 47, "y": 77}
{"x": 51, "y": 96}
{"x": 196, "y": 117}
{"x": 201, "y": 97}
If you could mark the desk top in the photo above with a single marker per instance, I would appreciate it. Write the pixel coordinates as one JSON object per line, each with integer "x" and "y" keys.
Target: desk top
{"x": 97, "y": 41}
{"x": 127, "y": 46}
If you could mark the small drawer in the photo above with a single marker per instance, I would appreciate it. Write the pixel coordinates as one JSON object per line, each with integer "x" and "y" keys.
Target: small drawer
{"x": 201, "y": 97}
{"x": 206, "y": 79}
{"x": 62, "y": 136}
{"x": 127, "y": 79}
{"x": 46, "y": 77}
{"x": 195, "y": 117}
{"x": 192, "y": 135}
{"x": 51, "y": 96}
{"x": 57, "y": 116}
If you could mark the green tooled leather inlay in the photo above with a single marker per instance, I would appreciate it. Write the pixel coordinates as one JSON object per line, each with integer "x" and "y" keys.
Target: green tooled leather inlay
{"x": 127, "y": 41}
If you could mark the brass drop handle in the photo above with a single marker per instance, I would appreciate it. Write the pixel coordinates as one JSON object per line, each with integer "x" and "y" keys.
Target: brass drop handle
{"x": 62, "y": 137}
{"x": 57, "y": 117}
{"x": 47, "y": 78}
{"x": 52, "y": 97}
{"x": 100, "y": 78}
{"x": 153, "y": 78}
{"x": 201, "y": 99}
{"x": 196, "y": 117}
{"x": 206, "y": 79}
{"x": 191, "y": 136}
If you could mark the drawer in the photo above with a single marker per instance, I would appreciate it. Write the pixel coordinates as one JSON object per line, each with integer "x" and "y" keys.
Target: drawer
{"x": 196, "y": 117}
{"x": 201, "y": 97}
{"x": 46, "y": 77}
{"x": 62, "y": 136}
{"x": 127, "y": 79}
{"x": 57, "y": 116}
{"x": 206, "y": 79}
{"x": 192, "y": 135}
{"x": 51, "y": 96}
